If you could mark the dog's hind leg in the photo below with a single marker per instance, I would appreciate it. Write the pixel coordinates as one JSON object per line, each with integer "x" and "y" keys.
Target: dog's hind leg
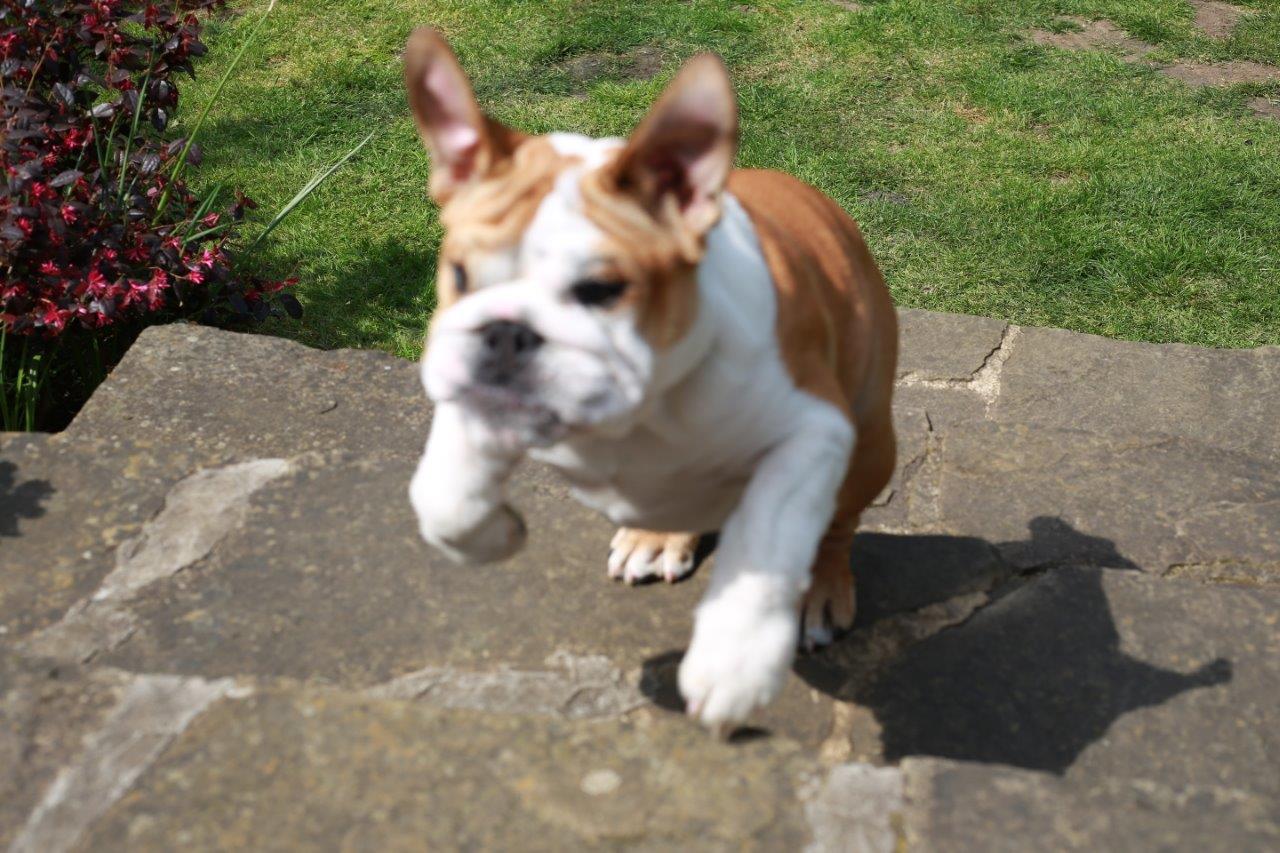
{"x": 828, "y": 607}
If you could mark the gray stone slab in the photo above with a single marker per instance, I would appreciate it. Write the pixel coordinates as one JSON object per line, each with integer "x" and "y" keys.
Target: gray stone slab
{"x": 1225, "y": 398}
{"x": 960, "y": 806}
{"x": 186, "y": 398}
{"x": 315, "y": 587}
{"x": 65, "y": 506}
{"x": 401, "y": 700}
{"x": 204, "y": 397}
{"x": 45, "y": 712}
{"x": 939, "y": 347}
{"x": 1052, "y": 496}
{"x": 321, "y": 770}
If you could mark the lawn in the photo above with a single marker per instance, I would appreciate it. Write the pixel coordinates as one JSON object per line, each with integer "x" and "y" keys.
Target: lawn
{"x": 991, "y": 175}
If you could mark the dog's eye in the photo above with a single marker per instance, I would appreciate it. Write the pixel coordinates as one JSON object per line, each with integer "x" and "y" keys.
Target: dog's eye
{"x": 597, "y": 292}
{"x": 460, "y": 278}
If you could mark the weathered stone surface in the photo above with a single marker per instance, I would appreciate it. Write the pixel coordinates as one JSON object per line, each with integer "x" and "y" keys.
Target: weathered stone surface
{"x": 945, "y": 346}
{"x": 1049, "y": 496}
{"x": 855, "y": 809}
{"x": 64, "y": 508}
{"x": 1225, "y": 398}
{"x": 957, "y": 806}
{"x": 198, "y": 511}
{"x": 325, "y": 770}
{"x": 187, "y": 398}
{"x": 45, "y": 712}
{"x": 1052, "y": 591}
{"x": 198, "y": 397}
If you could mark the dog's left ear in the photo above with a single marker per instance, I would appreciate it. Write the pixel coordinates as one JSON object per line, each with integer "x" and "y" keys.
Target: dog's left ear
{"x": 465, "y": 144}
{"x": 681, "y": 154}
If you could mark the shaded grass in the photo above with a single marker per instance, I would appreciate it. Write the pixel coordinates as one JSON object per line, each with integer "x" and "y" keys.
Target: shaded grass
{"x": 991, "y": 176}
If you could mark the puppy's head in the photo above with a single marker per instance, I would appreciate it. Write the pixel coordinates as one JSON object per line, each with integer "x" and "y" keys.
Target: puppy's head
{"x": 567, "y": 272}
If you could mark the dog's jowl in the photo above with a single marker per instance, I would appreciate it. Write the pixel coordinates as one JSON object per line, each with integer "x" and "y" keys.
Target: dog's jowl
{"x": 694, "y": 347}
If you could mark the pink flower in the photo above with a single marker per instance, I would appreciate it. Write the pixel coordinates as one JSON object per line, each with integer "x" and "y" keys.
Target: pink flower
{"x": 68, "y": 214}
{"x": 53, "y": 317}
{"x": 97, "y": 282}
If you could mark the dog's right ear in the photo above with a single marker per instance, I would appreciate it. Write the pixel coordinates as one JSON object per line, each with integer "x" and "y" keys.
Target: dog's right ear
{"x": 464, "y": 143}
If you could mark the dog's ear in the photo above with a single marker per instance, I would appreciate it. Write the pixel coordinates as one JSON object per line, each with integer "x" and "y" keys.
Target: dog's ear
{"x": 681, "y": 153}
{"x": 464, "y": 143}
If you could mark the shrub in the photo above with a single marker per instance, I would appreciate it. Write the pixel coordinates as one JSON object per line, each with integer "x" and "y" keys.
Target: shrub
{"x": 99, "y": 233}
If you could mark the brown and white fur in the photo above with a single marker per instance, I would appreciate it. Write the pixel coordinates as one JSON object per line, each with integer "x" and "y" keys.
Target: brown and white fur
{"x": 693, "y": 347}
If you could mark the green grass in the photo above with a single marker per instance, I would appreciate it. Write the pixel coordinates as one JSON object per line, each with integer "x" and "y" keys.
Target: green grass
{"x": 991, "y": 176}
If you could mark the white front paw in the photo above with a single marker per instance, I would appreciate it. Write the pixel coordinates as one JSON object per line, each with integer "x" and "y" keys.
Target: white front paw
{"x": 738, "y": 659}
{"x": 473, "y": 536}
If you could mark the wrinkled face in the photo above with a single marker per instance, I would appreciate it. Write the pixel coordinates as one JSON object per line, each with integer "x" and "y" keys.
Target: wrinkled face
{"x": 568, "y": 270}
{"x": 558, "y": 296}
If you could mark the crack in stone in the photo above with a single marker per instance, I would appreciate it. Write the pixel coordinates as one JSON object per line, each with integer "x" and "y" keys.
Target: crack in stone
{"x": 869, "y": 651}
{"x": 1226, "y": 571}
{"x": 985, "y": 380}
{"x": 578, "y": 687}
{"x": 153, "y": 710}
{"x": 198, "y": 512}
{"x": 924, "y": 497}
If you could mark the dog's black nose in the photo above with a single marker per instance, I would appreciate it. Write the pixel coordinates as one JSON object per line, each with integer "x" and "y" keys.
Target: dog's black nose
{"x": 507, "y": 346}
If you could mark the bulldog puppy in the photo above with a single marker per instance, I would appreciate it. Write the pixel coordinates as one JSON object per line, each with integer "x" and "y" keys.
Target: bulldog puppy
{"x": 693, "y": 347}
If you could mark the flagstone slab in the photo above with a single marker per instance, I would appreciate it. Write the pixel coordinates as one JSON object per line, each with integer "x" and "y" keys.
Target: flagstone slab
{"x": 1223, "y": 398}
{"x": 220, "y": 628}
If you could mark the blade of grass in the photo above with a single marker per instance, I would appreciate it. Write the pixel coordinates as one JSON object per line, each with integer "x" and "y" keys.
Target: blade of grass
{"x": 133, "y": 128}
{"x": 6, "y": 419}
{"x": 308, "y": 190}
{"x": 213, "y": 99}
{"x": 206, "y": 204}
{"x": 208, "y": 232}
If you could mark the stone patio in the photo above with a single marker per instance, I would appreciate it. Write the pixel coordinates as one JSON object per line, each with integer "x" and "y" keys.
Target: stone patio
{"x": 219, "y": 629}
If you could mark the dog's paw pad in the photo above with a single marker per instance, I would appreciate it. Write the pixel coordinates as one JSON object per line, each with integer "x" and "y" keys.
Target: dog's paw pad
{"x": 636, "y": 556}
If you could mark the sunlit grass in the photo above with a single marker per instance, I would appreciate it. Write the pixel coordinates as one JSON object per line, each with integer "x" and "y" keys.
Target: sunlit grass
{"x": 992, "y": 176}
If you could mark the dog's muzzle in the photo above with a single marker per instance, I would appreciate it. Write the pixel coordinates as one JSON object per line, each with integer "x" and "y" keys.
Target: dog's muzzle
{"x": 506, "y": 349}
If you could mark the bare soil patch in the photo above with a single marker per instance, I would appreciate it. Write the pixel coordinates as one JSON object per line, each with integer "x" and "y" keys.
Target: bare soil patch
{"x": 1104, "y": 35}
{"x": 1094, "y": 35}
{"x": 1265, "y": 108}
{"x": 643, "y": 63}
{"x": 1201, "y": 74}
{"x": 1216, "y": 19}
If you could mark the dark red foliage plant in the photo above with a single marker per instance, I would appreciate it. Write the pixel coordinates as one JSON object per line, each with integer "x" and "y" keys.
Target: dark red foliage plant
{"x": 99, "y": 233}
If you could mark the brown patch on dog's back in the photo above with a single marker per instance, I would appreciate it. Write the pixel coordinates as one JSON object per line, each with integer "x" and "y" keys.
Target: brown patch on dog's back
{"x": 833, "y": 306}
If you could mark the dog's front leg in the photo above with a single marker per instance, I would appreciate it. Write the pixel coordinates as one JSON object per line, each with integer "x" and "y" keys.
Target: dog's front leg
{"x": 458, "y": 490}
{"x": 747, "y": 625}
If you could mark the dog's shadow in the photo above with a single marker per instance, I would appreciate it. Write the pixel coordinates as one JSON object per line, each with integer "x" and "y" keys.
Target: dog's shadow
{"x": 1030, "y": 680}
{"x": 20, "y": 501}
